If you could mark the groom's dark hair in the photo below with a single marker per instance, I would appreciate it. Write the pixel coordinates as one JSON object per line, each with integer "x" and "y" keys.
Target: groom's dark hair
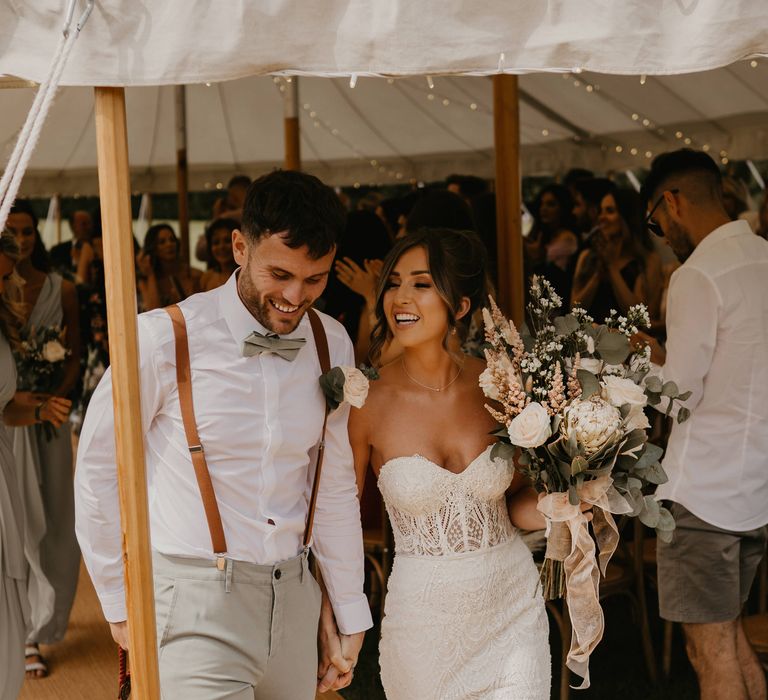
{"x": 299, "y": 204}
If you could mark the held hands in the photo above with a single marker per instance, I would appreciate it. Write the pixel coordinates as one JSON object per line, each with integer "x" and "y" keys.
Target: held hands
{"x": 609, "y": 250}
{"x": 337, "y": 653}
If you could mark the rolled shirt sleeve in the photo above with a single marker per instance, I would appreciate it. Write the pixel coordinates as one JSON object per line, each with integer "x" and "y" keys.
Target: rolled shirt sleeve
{"x": 337, "y": 533}
{"x": 692, "y": 318}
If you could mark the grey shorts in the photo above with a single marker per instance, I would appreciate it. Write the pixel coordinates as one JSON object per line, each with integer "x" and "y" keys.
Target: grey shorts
{"x": 705, "y": 573}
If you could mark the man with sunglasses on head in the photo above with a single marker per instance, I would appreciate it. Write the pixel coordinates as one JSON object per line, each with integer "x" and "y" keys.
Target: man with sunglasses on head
{"x": 717, "y": 461}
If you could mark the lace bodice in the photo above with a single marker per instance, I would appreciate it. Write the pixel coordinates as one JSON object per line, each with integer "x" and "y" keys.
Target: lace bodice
{"x": 435, "y": 512}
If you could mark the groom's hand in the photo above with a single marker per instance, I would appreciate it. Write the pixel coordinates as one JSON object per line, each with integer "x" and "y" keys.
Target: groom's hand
{"x": 333, "y": 670}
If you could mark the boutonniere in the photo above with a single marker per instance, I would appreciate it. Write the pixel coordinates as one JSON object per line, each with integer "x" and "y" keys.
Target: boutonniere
{"x": 347, "y": 384}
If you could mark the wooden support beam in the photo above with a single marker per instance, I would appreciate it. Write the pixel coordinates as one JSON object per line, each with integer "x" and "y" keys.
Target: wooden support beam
{"x": 182, "y": 171}
{"x": 291, "y": 124}
{"x": 115, "y": 193}
{"x": 506, "y": 131}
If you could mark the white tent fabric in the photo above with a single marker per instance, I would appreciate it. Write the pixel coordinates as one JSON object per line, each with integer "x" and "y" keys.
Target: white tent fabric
{"x": 397, "y": 130}
{"x": 164, "y": 42}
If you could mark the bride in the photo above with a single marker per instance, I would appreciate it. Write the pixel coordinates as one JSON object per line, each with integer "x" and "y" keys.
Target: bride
{"x": 464, "y": 616}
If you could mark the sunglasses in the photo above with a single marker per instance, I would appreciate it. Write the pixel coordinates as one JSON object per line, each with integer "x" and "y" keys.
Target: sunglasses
{"x": 650, "y": 222}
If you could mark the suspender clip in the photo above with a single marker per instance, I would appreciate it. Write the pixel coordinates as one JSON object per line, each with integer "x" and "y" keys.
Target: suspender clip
{"x": 221, "y": 561}
{"x": 195, "y": 448}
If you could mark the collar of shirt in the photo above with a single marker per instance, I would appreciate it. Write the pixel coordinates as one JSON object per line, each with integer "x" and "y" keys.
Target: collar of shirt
{"x": 721, "y": 233}
{"x": 240, "y": 321}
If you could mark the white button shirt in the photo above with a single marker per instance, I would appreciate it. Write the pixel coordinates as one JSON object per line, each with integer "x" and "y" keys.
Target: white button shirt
{"x": 717, "y": 348}
{"x": 260, "y": 420}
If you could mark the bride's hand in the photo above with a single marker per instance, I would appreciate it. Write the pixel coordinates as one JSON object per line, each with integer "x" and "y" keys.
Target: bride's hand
{"x": 333, "y": 670}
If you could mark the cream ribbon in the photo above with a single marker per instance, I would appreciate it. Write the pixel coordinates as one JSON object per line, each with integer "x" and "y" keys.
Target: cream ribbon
{"x": 582, "y": 572}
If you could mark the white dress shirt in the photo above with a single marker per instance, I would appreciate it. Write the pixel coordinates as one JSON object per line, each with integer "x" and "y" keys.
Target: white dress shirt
{"x": 717, "y": 348}
{"x": 260, "y": 420}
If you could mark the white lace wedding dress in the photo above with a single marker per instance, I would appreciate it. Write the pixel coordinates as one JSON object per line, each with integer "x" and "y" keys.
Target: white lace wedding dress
{"x": 464, "y": 616}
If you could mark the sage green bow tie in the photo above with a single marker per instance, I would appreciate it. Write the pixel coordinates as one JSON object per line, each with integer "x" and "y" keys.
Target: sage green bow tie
{"x": 287, "y": 348}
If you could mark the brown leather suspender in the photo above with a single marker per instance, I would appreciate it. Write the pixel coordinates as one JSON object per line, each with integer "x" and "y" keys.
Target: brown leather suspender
{"x": 183, "y": 378}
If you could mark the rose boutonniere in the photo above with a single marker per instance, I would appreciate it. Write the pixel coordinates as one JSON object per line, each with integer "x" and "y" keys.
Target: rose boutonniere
{"x": 346, "y": 384}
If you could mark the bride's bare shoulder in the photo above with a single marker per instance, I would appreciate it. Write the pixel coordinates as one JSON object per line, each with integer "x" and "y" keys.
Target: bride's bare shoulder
{"x": 386, "y": 385}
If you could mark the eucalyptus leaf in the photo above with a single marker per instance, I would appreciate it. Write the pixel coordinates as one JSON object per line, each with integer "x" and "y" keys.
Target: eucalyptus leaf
{"x": 503, "y": 450}
{"x": 684, "y": 396}
{"x": 524, "y": 459}
{"x": 683, "y": 414}
{"x": 501, "y": 431}
{"x": 666, "y": 521}
{"x": 670, "y": 389}
{"x": 633, "y": 483}
{"x": 565, "y": 325}
{"x": 573, "y": 497}
{"x": 651, "y": 512}
{"x": 614, "y": 348}
{"x": 650, "y": 455}
{"x": 589, "y": 383}
{"x": 654, "y": 399}
{"x": 653, "y": 384}
{"x": 332, "y": 384}
{"x": 652, "y": 473}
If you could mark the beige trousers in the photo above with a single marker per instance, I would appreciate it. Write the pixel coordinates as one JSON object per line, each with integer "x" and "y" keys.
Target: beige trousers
{"x": 246, "y": 633}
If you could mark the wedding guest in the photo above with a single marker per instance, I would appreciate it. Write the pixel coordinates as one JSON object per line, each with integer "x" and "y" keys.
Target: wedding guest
{"x": 218, "y": 239}
{"x": 16, "y": 409}
{"x": 163, "y": 277}
{"x": 468, "y": 187}
{"x": 238, "y": 611}
{"x": 65, "y": 256}
{"x": 587, "y": 196}
{"x": 735, "y": 197}
{"x": 717, "y": 461}
{"x": 552, "y": 245}
{"x": 230, "y": 206}
{"x": 351, "y": 290}
{"x": 621, "y": 268}
{"x": 44, "y": 457}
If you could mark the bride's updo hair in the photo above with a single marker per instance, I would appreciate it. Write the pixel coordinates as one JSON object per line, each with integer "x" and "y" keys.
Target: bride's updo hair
{"x": 457, "y": 263}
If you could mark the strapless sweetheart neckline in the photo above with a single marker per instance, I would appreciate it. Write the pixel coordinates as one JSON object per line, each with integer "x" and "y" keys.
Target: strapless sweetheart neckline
{"x": 426, "y": 460}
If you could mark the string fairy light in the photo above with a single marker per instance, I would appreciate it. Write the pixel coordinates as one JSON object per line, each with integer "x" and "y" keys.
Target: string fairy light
{"x": 334, "y": 131}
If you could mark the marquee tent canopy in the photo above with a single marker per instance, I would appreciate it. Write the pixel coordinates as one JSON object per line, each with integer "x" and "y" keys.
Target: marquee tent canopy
{"x": 395, "y": 130}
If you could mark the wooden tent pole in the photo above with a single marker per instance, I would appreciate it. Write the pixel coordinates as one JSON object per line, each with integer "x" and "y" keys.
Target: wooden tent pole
{"x": 506, "y": 131}
{"x": 291, "y": 124}
{"x": 182, "y": 172}
{"x": 115, "y": 193}
{"x": 58, "y": 218}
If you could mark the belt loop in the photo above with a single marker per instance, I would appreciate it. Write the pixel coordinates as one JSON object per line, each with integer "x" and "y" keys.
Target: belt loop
{"x": 304, "y": 563}
{"x": 228, "y": 577}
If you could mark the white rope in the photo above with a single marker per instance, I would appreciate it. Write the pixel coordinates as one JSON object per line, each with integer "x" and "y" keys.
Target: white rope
{"x": 30, "y": 133}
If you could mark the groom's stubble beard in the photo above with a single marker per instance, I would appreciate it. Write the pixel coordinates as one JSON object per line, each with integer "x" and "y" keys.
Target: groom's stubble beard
{"x": 258, "y": 305}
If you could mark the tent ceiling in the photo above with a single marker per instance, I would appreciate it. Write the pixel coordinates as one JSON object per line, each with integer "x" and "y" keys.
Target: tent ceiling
{"x": 166, "y": 42}
{"x": 402, "y": 125}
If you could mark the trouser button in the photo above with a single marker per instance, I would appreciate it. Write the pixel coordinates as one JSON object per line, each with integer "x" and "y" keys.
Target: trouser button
{"x": 278, "y": 573}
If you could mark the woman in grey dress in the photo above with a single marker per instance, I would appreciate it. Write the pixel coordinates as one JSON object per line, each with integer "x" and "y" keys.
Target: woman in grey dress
{"x": 48, "y": 301}
{"x": 15, "y": 409}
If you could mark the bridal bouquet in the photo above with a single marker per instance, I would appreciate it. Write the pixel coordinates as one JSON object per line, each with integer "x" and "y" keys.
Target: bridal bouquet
{"x": 569, "y": 396}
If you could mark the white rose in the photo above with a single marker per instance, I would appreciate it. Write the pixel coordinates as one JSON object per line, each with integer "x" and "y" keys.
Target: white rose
{"x": 620, "y": 391}
{"x": 488, "y": 385}
{"x": 54, "y": 351}
{"x": 637, "y": 419}
{"x": 532, "y": 427}
{"x": 590, "y": 345}
{"x": 355, "y": 386}
{"x": 591, "y": 364}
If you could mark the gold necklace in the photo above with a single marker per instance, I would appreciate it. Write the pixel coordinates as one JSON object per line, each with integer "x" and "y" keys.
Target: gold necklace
{"x": 431, "y": 388}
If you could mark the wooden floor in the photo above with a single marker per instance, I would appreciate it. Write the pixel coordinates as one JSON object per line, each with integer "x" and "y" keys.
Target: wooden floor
{"x": 84, "y": 665}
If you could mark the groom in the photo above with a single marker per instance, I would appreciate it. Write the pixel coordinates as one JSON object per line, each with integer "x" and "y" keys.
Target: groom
{"x": 243, "y": 624}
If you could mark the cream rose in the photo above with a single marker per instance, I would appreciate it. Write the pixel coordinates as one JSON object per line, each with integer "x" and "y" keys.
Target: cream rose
{"x": 637, "y": 419}
{"x": 355, "y": 386}
{"x": 54, "y": 351}
{"x": 488, "y": 385}
{"x": 532, "y": 427}
{"x": 620, "y": 391}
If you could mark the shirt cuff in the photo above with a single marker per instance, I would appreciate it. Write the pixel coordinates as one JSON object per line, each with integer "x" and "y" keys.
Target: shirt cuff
{"x": 353, "y": 617}
{"x": 113, "y": 606}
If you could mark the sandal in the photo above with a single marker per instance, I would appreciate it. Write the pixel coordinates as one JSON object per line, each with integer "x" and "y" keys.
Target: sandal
{"x": 34, "y": 666}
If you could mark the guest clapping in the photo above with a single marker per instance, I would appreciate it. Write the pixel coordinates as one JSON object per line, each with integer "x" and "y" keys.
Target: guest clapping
{"x": 621, "y": 268}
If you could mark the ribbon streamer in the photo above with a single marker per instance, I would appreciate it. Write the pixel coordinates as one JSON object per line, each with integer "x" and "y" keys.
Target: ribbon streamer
{"x": 582, "y": 571}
